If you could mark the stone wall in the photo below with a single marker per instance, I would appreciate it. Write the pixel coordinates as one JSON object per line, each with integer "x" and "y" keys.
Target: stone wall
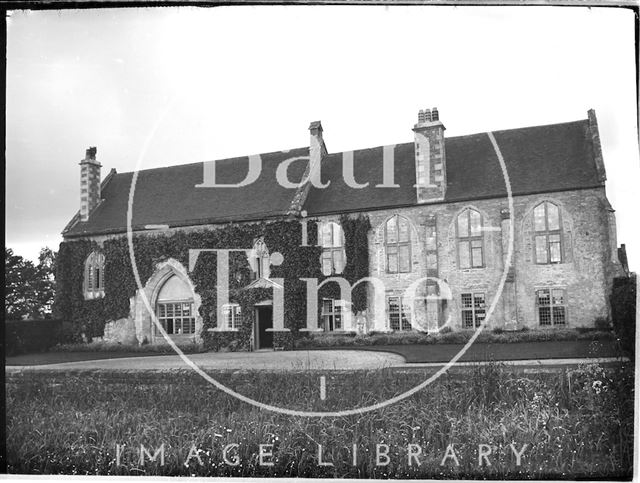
{"x": 584, "y": 274}
{"x": 139, "y": 328}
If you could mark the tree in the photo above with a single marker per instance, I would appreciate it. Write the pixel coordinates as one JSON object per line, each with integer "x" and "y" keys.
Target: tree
{"x": 46, "y": 281}
{"x": 29, "y": 288}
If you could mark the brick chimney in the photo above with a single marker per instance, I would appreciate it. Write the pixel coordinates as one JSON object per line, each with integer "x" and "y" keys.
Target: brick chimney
{"x": 431, "y": 172}
{"x": 89, "y": 183}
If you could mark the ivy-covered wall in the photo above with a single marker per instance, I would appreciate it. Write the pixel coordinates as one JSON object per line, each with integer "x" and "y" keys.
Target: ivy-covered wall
{"x": 89, "y": 317}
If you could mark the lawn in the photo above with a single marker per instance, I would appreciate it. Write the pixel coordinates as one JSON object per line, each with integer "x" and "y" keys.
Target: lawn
{"x": 577, "y": 424}
{"x": 412, "y": 353}
{"x": 517, "y": 351}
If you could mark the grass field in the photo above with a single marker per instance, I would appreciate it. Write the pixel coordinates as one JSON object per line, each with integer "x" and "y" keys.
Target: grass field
{"x": 577, "y": 424}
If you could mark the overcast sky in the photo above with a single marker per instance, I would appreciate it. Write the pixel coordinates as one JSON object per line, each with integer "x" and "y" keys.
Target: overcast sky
{"x": 234, "y": 81}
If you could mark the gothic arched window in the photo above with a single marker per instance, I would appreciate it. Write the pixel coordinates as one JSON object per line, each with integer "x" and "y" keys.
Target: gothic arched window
{"x": 470, "y": 239}
{"x": 259, "y": 259}
{"x": 333, "y": 253}
{"x": 548, "y": 235}
{"x": 174, "y": 307}
{"x": 397, "y": 243}
{"x": 94, "y": 276}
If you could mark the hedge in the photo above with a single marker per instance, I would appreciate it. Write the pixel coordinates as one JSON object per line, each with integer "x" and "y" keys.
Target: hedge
{"x": 623, "y": 312}
{"x": 27, "y": 336}
{"x": 462, "y": 337}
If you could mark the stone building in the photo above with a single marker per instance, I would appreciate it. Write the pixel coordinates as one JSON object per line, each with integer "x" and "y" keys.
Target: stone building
{"x": 442, "y": 222}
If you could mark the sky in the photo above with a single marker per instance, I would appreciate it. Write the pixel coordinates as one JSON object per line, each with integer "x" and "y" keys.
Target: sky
{"x": 177, "y": 85}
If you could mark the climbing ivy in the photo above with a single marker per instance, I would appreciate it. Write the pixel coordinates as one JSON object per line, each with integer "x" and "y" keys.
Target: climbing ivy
{"x": 88, "y": 317}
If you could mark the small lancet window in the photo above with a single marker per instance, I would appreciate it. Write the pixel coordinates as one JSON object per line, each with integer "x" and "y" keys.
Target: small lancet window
{"x": 94, "y": 276}
{"x": 259, "y": 260}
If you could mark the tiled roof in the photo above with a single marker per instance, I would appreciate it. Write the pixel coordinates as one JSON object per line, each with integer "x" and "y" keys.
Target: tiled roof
{"x": 538, "y": 159}
{"x": 169, "y": 196}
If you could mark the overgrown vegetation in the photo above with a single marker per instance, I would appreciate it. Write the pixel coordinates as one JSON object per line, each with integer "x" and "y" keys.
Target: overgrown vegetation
{"x": 623, "y": 312}
{"x": 28, "y": 336}
{"x": 576, "y": 424}
{"x": 88, "y": 317}
{"x": 448, "y": 337}
{"x": 29, "y": 288}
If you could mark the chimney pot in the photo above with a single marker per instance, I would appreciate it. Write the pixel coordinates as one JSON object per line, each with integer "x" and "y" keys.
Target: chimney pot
{"x": 421, "y": 116}
{"x": 430, "y": 158}
{"x": 91, "y": 153}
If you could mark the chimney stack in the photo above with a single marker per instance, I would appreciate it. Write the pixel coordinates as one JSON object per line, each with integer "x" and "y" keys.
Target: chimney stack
{"x": 317, "y": 148}
{"x": 431, "y": 172}
{"x": 316, "y": 142}
{"x": 312, "y": 173}
{"x": 89, "y": 183}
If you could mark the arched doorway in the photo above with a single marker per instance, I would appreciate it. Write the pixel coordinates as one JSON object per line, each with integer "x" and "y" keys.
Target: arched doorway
{"x": 175, "y": 309}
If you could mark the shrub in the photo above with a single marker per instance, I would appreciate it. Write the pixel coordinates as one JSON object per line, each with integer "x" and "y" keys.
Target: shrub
{"x": 25, "y": 336}
{"x": 453, "y": 338}
{"x": 623, "y": 313}
{"x": 602, "y": 323}
{"x": 101, "y": 346}
{"x": 447, "y": 336}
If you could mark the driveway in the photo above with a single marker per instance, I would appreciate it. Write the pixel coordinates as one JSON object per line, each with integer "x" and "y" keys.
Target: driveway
{"x": 269, "y": 360}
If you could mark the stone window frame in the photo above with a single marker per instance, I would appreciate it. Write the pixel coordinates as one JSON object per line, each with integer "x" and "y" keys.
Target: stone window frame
{"x": 551, "y": 305}
{"x": 470, "y": 238}
{"x": 233, "y": 318}
{"x": 476, "y": 310}
{"x": 334, "y": 315}
{"x": 191, "y": 318}
{"x": 163, "y": 271}
{"x": 398, "y": 244}
{"x": 404, "y": 313}
{"x": 93, "y": 282}
{"x": 259, "y": 259}
{"x": 547, "y": 234}
{"x": 335, "y": 247}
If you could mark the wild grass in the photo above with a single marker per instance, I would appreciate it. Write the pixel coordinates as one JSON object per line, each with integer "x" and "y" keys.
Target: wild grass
{"x": 448, "y": 337}
{"x": 576, "y": 424}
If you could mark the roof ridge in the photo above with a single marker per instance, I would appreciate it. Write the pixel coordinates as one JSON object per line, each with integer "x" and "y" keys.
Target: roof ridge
{"x": 465, "y": 135}
{"x": 518, "y": 128}
{"x": 500, "y": 131}
{"x": 235, "y": 158}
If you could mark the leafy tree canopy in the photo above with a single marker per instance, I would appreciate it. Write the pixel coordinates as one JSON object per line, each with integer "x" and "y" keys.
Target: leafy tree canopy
{"x": 29, "y": 288}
